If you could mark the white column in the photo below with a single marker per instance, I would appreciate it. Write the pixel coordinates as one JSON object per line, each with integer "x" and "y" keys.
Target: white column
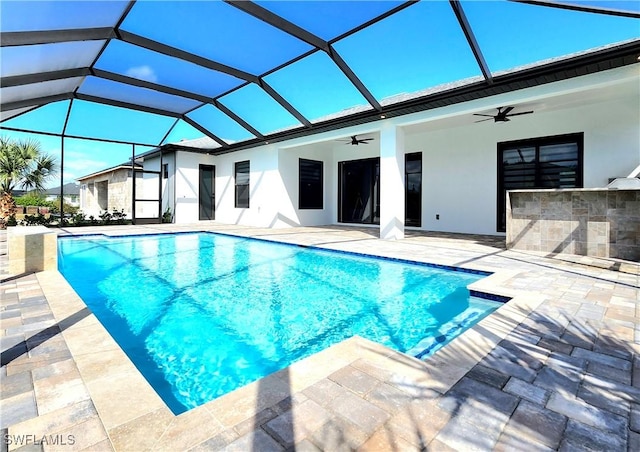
{"x": 391, "y": 182}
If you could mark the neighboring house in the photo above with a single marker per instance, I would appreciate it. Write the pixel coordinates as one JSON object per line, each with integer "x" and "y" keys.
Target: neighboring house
{"x": 436, "y": 170}
{"x": 175, "y": 158}
{"x": 107, "y": 190}
{"x": 71, "y": 193}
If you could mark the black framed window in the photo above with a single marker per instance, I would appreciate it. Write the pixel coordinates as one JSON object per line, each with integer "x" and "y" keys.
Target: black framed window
{"x": 165, "y": 171}
{"x": 310, "y": 184}
{"x": 413, "y": 189}
{"x": 548, "y": 162}
{"x": 242, "y": 170}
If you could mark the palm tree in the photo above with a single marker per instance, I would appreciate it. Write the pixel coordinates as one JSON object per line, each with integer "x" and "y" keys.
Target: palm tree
{"x": 22, "y": 164}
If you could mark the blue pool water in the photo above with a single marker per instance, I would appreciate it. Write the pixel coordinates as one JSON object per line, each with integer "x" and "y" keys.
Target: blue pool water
{"x": 202, "y": 314}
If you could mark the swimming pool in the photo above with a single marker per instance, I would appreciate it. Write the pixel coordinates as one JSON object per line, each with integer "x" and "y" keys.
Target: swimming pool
{"x": 201, "y": 314}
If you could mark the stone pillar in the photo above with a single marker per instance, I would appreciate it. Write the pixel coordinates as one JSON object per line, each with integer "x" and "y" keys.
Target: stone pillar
{"x": 392, "y": 192}
{"x": 31, "y": 249}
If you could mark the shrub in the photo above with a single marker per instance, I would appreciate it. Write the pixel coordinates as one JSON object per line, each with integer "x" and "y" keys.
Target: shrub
{"x": 79, "y": 218}
{"x": 105, "y": 217}
{"x": 118, "y": 216}
{"x": 68, "y": 208}
{"x": 34, "y": 220}
{"x": 34, "y": 199}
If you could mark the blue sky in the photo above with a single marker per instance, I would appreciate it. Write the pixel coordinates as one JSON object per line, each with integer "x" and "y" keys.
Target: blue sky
{"x": 423, "y": 40}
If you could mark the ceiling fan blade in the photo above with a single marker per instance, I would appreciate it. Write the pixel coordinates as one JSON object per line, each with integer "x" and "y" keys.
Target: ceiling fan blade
{"x": 522, "y": 113}
{"x": 483, "y": 120}
{"x": 506, "y": 111}
{"x": 366, "y": 139}
{"x": 480, "y": 114}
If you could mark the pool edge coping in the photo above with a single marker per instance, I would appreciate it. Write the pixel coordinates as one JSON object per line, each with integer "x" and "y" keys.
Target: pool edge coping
{"x": 441, "y": 371}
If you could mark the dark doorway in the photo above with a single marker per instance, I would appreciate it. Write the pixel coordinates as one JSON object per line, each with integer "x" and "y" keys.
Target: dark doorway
{"x": 413, "y": 189}
{"x": 207, "y": 198}
{"x": 359, "y": 191}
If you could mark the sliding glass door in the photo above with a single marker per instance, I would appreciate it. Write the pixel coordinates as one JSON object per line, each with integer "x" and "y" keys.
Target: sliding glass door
{"x": 359, "y": 191}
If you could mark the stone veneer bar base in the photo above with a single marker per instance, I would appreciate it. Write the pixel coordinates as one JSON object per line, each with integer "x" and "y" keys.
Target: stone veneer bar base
{"x": 587, "y": 222}
{"x": 32, "y": 249}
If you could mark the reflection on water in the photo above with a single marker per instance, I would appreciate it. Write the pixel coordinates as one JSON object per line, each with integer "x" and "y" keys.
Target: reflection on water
{"x": 202, "y": 314}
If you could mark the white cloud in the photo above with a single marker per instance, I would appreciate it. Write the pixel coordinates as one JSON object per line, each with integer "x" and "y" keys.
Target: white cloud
{"x": 78, "y": 168}
{"x": 143, "y": 73}
{"x": 86, "y": 158}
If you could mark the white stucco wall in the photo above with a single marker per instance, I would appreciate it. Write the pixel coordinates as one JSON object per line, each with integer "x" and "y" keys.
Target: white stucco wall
{"x": 265, "y": 188}
{"x": 460, "y": 164}
{"x": 288, "y": 164}
{"x": 186, "y": 185}
{"x": 459, "y": 157}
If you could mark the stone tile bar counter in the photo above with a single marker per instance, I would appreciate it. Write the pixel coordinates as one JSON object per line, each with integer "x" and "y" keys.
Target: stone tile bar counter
{"x": 587, "y": 222}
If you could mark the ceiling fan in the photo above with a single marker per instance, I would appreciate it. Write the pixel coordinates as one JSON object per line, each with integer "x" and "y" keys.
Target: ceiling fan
{"x": 503, "y": 115}
{"x": 355, "y": 141}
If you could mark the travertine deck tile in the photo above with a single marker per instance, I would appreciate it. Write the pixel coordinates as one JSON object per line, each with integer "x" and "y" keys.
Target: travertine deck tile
{"x": 362, "y": 413}
{"x": 606, "y": 400}
{"x": 86, "y": 435}
{"x": 387, "y": 397}
{"x": 511, "y": 439}
{"x": 384, "y": 439}
{"x": 338, "y": 434}
{"x": 123, "y": 397}
{"x": 527, "y": 391}
{"x": 534, "y": 423}
{"x": 59, "y": 391}
{"x": 324, "y": 391}
{"x": 187, "y": 430}
{"x": 143, "y": 432}
{"x": 355, "y": 380}
{"x": 57, "y": 421}
{"x": 240, "y": 405}
{"x": 17, "y": 408}
{"x": 260, "y": 418}
{"x": 579, "y": 436}
{"x": 557, "y": 368}
{"x": 15, "y": 384}
{"x": 459, "y": 434}
{"x": 256, "y": 440}
{"x": 418, "y": 422}
{"x": 218, "y": 442}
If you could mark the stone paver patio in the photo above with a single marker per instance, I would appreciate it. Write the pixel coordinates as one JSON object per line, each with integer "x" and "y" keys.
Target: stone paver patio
{"x": 556, "y": 368}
